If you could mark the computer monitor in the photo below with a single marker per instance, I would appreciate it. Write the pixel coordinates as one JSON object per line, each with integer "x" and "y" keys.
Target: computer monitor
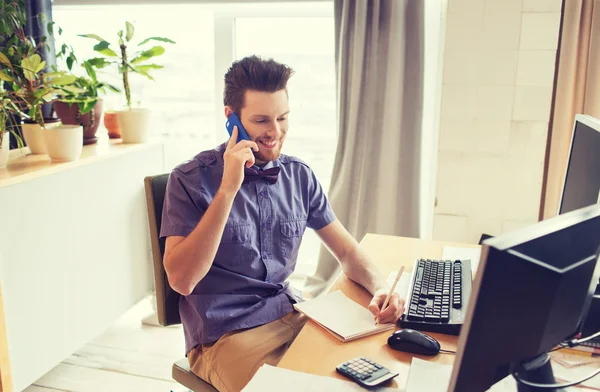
{"x": 582, "y": 178}
{"x": 530, "y": 293}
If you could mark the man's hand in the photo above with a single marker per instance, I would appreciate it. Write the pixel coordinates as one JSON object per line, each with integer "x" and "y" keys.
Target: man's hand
{"x": 236, "y": 156}
{"x": 392, "y": 312}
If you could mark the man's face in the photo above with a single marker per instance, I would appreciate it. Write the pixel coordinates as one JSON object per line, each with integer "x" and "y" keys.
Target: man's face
{"x": 265, "y": 118}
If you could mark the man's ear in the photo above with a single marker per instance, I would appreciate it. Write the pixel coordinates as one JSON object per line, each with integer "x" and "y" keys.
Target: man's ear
{"x": 228, "y": 111}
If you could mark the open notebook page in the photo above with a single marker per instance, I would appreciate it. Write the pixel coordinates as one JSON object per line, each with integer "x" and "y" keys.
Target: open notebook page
{"x": 341, "y": 316}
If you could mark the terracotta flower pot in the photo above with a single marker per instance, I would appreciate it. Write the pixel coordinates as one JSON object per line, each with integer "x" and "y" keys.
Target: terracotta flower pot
{"x": 111, "y": 122}
{"x": 70, "y": 115}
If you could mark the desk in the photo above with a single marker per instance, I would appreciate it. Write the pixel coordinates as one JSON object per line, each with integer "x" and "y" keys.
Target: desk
{"x": 317, "y": 352}
{"x": 388, "y": 253}
{"x": 74, "y": 251}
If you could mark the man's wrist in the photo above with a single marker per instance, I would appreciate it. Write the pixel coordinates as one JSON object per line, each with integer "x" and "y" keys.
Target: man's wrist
{"x": 226, "y": 194}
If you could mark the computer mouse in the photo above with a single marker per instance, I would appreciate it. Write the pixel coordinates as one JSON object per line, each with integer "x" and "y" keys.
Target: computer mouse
{"x": 411, "y": 341}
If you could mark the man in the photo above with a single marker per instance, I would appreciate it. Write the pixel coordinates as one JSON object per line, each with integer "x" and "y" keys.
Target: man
{"x": 233, "y": 221}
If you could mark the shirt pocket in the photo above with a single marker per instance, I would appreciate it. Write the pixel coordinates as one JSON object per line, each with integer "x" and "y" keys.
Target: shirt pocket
{"x": 291, "y": 237}
{"x": 236, "y": 244}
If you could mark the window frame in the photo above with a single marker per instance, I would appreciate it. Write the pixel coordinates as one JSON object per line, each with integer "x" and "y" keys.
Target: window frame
{"x": 225, "y": 50}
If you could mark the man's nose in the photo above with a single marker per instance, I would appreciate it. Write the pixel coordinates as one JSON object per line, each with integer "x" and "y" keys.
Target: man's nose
{"x": 274, "y": 130}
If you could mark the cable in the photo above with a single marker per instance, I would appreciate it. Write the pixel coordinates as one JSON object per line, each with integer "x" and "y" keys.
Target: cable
{"x": 551, "y": 386}
{"x": 560, "y": 347}
{"x": 574, "y": 342}
{"x": 447, "y": 352}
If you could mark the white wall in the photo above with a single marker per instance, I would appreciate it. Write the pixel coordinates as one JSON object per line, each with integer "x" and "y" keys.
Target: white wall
{"x": 496, "y": 95}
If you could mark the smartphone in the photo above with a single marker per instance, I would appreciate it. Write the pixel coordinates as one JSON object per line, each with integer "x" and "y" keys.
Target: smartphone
{"x": 234, "y": 121}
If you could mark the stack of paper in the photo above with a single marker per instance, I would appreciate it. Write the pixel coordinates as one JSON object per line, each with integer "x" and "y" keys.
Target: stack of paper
{"x": 435, "y": 377}
{"x": 269, "y": 378}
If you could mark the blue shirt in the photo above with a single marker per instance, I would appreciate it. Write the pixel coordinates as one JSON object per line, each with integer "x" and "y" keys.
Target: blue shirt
{"x": 245, "y": 286}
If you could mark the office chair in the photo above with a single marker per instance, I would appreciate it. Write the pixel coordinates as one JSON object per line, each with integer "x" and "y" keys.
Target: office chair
{"x": 167, "y": 299}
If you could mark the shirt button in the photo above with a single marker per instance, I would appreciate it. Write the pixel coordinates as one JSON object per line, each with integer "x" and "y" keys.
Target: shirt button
{"x": 262, "y": 193}
{"x": 266, "y": 225}
{"x": 235, "y": 238}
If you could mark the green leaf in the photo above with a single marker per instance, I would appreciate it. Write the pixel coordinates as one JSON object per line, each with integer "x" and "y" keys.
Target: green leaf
{"x": 40, "y": 67}
{"x": 4, "y": 59}
{"x": 5, "y": 77}
{"x": 87, "y": 106}
{"x": 50, "y": 28}
{"x": 161, "y": 39}
{"x": 63, "y": 80}
{"x": 70, "y": 62}
{"x": 30, "y": 64}
{"x": 113, "y": 88}
{"x": 90, "y": 71}
{"x": 130, "y": 30}
{"x": 48, "y": 96}
{"x": 98, "y": 62}
{"x": 146, "y": 68}
{"x": 94, "y": 36}
{"x": 143, "y": 72}
{"x": 60, "y": 30}
{"x": 103, "y": 47}
{"x": 73, "y": 89}
{"x": 148, "y": 54}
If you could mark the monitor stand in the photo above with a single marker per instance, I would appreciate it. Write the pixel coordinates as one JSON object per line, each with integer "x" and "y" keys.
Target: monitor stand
{"x": 537, "y": 370}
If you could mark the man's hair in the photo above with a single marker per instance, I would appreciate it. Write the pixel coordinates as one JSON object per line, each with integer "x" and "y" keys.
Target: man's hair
{"x": 253, "y": 73}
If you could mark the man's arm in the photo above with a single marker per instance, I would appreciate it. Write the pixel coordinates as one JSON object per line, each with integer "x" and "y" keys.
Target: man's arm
{"x": 357, "y": 266}
{"x": 188, "y": 259}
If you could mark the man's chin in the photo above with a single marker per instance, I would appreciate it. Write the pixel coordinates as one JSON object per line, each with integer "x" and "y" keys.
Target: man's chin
{"x": 270, "y": 156}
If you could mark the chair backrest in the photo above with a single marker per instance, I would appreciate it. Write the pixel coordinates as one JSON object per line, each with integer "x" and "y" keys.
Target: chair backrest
{"x": 167, "y": 299}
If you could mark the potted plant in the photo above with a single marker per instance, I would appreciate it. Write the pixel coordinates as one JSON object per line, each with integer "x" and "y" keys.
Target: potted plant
{"x": 33, "y": 88}
{"x": 133, "y": 122}
{"x": 8, "y": 124}
{"x": 82, "y": 105}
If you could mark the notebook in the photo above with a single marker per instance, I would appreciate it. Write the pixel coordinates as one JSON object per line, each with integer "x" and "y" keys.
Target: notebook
{"x": 341, "y": 317}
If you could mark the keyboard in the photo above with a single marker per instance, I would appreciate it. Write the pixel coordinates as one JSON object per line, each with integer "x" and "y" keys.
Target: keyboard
{"x": 438, "y": 296}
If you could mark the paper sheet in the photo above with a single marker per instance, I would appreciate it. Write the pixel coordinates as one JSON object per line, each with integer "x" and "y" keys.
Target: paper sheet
{"x": 573, "y": 372}
{"x": 269, "y": 378}
{"x": 426, "y": 376}
{"x": 454, "y": 253}
{"x": 342, "y": 316}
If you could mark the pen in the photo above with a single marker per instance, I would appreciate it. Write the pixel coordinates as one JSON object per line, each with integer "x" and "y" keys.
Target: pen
{"x": 387, "y": 299}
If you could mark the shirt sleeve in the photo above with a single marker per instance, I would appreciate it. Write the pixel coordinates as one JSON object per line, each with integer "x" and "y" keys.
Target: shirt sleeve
{"x": 320, "y": 213}
{"x": 184, "y": 205}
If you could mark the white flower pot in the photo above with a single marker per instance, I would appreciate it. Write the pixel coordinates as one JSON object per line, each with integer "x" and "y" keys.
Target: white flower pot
{"x": 34, "y": 138}
{"x": 64, "y": 143}
{"x": 4, "y": 147}
{"x": 134, "y": 125}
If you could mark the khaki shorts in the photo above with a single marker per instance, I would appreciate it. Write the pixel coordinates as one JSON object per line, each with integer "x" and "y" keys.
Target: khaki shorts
{"x": 230, "y": 362}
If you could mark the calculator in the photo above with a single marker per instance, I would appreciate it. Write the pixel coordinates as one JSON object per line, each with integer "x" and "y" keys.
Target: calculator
{"x": 365, "y": 372}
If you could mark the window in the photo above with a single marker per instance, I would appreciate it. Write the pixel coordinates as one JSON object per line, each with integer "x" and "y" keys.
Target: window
{"x": 186, "y": 97}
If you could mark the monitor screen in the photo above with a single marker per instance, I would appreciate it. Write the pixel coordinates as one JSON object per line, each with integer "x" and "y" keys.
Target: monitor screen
{"x": 582, "y": 181}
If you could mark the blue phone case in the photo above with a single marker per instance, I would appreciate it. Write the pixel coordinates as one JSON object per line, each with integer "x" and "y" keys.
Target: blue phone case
{"x": 233, "y": 121}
